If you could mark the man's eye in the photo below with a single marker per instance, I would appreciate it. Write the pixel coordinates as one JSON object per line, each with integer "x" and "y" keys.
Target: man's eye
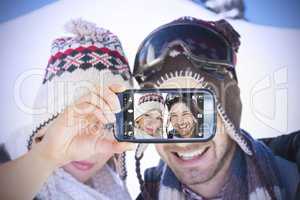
{"x": 187, "y": 114}
{"x": 173, "y": 118}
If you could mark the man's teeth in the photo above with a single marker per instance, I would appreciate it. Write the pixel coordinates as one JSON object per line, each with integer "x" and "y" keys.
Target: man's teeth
{"x": 192, "y": 154}
{"x": 183, "y": 126}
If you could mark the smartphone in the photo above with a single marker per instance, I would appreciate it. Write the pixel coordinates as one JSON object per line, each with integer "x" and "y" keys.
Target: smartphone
{"x": 166, "y": 115}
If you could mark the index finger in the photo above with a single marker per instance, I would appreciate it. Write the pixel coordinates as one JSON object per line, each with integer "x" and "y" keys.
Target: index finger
{"x": 116, "y": 88}
{"x": 110, "y": 98}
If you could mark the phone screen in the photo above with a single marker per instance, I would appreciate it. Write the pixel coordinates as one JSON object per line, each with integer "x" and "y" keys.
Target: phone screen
{"x": 166, "y": 115}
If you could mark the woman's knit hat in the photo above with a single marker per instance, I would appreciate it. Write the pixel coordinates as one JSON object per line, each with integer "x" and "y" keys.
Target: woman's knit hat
{"x": 92, "y": 57}
{"x": 147, "y": 102}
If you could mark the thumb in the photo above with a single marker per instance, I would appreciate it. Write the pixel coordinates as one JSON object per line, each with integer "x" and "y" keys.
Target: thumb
{"x": 121, "y": 147}
{"x": 116, "y": 88}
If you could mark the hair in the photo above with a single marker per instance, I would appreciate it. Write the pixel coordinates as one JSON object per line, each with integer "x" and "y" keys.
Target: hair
{"x": 188, "y": 101}
{"x": 141, "y": 119}
{"x": 137, "y": 122}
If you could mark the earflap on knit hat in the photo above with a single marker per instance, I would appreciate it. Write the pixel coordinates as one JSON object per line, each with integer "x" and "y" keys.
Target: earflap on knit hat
{"x": 89, "y": 58}
{"x": 145, "y": 102}
{"x": 180, "y": 72}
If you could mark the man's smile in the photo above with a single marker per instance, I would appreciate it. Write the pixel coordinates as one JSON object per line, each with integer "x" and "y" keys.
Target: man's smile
{"x": 183, "y": 126}
{"x": 191, "y": 158}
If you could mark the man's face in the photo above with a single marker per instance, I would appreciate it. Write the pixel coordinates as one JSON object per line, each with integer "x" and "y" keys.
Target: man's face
{"x": 182, "y": 119}
{"x": 198, "y": 163}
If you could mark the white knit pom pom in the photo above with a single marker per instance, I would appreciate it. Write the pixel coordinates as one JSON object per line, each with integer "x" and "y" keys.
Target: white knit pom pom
{"x": 84, "y": 28}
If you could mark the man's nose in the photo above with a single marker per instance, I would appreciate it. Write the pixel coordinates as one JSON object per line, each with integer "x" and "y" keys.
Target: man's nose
{"x": 180, "y": 121}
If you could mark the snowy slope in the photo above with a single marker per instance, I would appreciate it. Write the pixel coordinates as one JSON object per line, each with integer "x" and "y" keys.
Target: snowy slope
{"x": 268, "y": 61}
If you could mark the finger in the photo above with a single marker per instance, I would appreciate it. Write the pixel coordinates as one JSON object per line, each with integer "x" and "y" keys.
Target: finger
{"x": 103, "y": 95}
{"x": 104, "y": 146}
{"x": 110, "y": 117}
{"x": 85, "y": 105}
{"x": 110, "y": 98}
{"x": 83, "y": 126}
{"x": 120, "y": 147}
{"x": 104, "y": 108}
{"x": 73, "y": 129}
{"x": 117, "y": 88}
{"x": 98, "y": 106}
{"x": 88, "y": 118}
{"x": 96, "y": 129}
{"x": 103, "y": 118}
{"x": 115, "y": 146}
{"x": 91, "y": 118}
{"x": 126, "y": 146}
{"x": 107, "y": 132}
{"x": 91, "y": 98}
{"x": 98, "y": 142}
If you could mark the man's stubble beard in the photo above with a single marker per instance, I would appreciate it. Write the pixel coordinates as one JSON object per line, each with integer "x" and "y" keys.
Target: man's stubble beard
{"x": 224, "y": 162}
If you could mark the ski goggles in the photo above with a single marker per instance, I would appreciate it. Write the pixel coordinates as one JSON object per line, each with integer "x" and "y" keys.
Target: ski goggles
{"x": 200, "y": 43}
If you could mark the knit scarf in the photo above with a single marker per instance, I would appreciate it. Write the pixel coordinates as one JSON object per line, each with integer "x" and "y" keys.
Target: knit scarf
{"x": 250, "y": 177}
{"x": 105, "y": 185}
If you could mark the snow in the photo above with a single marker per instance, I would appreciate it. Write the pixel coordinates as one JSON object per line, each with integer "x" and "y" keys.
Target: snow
{"x": 268, "y": 62}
